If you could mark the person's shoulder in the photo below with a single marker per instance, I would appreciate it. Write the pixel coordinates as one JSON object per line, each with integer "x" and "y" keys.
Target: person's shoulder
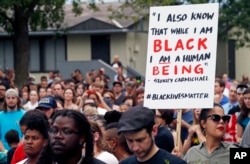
{"x": 228, "y": 145}
{"x": 170, "y": 157}
{"x": 12, "y": 150}
{"x": 129, "y": 160}
{"x": 225, "y": 106}
{"x": 21, "y": 110}
{"x": 234, "y": 110}
{"x": 163, "y": 131}
{"x": 22, "y": 161}
{"x": 97, "y": 161}
{"x": 107, "y": 157}
{"x": 194, "y": 149}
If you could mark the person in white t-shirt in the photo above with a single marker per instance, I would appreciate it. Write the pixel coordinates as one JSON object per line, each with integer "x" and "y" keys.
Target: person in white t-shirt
{"x": 33, "y": 101}
{"x": 99, "y": 146}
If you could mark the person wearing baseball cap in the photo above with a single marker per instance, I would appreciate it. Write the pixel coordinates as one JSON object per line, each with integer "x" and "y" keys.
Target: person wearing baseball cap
{"x": 137, "y": 124}
{"x": 47, "y": 105}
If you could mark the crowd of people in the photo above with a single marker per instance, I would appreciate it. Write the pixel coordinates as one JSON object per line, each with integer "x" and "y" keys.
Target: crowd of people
{"x": 83, "y": 120}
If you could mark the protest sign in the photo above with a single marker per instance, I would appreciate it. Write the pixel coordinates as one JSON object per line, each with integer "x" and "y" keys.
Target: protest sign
{"x": 181, "y": 56}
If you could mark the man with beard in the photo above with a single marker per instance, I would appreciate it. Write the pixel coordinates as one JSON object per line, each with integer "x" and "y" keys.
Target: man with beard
{"x": 11, "y": 115}
{"x": 138, "y": 126}
{"x": 69, "y": 131}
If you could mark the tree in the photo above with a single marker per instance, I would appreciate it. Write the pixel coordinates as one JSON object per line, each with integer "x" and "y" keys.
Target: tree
{"x": 234, "y": 16}
{"x": 18, "y": 17}
{"x": 233, "y": 20}
{"x": 139, "y": 8}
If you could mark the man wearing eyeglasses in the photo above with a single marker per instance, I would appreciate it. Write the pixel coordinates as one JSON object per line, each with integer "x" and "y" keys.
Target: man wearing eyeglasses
{"x": 69, "y": 131}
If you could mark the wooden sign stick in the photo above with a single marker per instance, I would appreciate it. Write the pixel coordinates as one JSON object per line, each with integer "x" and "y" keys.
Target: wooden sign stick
{"x": 178, "y": 129}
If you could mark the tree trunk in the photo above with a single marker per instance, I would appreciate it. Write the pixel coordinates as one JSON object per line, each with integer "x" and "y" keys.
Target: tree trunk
{"x": 21, "y": 47}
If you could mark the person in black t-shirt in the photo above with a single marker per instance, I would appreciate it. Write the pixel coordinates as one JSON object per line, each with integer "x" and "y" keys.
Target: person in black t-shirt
{"x": 12, "y": 139}
{"x": 69, "y": 132}
{"x": 137, "y": 124}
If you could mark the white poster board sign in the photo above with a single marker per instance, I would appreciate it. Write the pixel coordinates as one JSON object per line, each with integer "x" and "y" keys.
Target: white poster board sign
{"x": 181, "y": 57}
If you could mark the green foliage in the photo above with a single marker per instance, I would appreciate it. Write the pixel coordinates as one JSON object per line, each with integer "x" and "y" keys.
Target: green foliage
{"x": 76, "y": 8}
{"x": 234, "y": 16}
{"x": 134, "y": 9}
{"x": 234, "y": 21}
{"x": 18, "y": 17}
{"x": 41, "y": 14}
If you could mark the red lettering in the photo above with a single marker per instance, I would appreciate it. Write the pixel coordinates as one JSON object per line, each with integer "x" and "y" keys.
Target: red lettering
{"x": 201, "y": 43}
{"x": 157, "y": 45}
{"x": 198, "y": 69}
{"x": 166, "y": 46}
{"x": 156, "y": 70}
{"x": 188, "y": 69}
{"x": 179, "y": 45}
{"x": 165, "y": 70}
{"x": 190, "y": 47}
{"x": 175, "y": 70}
{"x": 162, "y": 70}
{"x": 189, "y": 44}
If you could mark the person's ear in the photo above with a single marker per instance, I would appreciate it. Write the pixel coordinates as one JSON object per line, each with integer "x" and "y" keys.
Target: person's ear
{"x": 113, "y": 142}
{"x": 45, "y": 142}
{"x": 203, "y": 124}
{"x": 81, "y": 141}
{"x": 96, "y": 136}
{"x": 154, "y": 130}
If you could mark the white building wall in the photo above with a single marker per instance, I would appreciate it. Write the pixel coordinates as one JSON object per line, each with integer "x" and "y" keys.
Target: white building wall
{"x": 78, "y": 47}
{"x": 242, "y": 62}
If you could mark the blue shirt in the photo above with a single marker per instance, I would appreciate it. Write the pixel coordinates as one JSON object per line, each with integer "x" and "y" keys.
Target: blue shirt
{"x": 10, "y": 121}
{"x": 229, "y": 106}
{"x": 243, "y": 122}
{"x": 224, "y": 100}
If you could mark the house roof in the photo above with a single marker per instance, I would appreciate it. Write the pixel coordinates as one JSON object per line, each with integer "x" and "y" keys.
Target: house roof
{"x": 102, "y": 15}
{"x": 100, "y": 18}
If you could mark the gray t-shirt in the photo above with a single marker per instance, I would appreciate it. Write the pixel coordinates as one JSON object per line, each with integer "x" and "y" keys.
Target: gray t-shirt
{"x": 199, "y": 154}
{"x": 245, "y": 140}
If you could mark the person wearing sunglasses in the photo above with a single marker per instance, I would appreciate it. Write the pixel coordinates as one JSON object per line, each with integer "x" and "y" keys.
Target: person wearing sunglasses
{"x": 213, "y": 123}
